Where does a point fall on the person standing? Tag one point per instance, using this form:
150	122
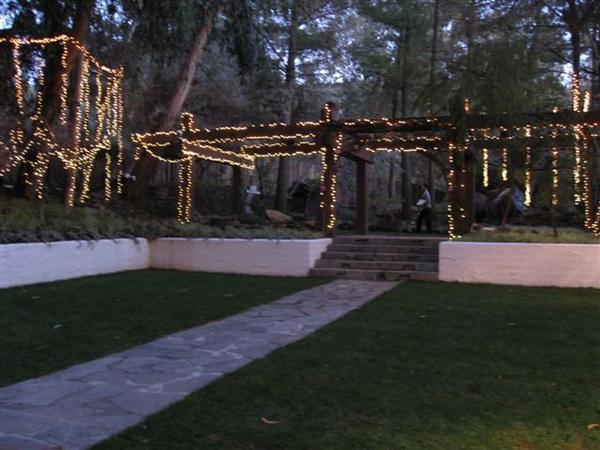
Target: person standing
424	203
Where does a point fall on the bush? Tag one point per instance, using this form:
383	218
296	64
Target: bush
27	221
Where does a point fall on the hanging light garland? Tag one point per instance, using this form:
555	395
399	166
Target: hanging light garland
77	156
504	164
528	169
280	139
486	164
451	191
555	172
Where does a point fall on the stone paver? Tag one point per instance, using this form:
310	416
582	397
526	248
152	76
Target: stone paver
85	404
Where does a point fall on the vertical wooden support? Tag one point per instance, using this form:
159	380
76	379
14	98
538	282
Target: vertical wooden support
452	188
237	190
71	186
186	190
468	191
331	142
328	189
362	197
185	193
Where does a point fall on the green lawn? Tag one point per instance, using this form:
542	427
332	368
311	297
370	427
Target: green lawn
426	366
47	327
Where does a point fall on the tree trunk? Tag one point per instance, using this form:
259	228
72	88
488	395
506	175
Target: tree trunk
595	104
433	55
283	171
145	167
404	112
80	32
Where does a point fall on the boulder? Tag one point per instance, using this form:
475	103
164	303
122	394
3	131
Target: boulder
277	216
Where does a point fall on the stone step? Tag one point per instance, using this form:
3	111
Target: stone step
403	249
364	256
378	265
357	274
389	240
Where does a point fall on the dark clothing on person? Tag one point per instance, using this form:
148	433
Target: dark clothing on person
425	215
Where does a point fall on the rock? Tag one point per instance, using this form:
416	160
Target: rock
277	216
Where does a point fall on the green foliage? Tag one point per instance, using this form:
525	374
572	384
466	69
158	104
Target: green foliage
24	221
534	234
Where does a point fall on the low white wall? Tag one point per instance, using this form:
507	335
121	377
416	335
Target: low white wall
248	256
38	262
22	264
563	265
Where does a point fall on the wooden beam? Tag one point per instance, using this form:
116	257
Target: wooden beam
362	197
281	149
216	154
254	132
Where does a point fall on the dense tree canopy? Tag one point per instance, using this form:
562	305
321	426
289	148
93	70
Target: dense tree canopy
247	61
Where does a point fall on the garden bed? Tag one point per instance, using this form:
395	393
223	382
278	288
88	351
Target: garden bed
524	234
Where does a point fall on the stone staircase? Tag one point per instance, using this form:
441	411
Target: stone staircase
380	258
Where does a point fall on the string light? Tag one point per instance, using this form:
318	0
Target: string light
77	156
451	191
587	101
504	164
575	92
555	182
528	170
578	137
304	138
486	164
64	84
18	76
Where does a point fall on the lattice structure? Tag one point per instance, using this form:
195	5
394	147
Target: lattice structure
90	113
360	139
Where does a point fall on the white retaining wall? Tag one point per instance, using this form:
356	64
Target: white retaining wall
38	262
22	264
254	257
563	265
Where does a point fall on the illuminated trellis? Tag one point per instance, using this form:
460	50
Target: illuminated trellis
95	117
360	139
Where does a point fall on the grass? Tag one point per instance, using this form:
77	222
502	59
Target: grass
425	366
534	234
47	327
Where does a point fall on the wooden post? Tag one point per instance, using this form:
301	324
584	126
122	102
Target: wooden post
185	193
185	199
468	191
328	189
362	197
237	190
331	145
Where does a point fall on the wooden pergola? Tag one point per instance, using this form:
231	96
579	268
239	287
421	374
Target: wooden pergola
452	141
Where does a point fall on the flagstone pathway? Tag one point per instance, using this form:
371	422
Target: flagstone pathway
87	403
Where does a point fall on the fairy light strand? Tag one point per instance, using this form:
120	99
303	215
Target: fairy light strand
78	155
